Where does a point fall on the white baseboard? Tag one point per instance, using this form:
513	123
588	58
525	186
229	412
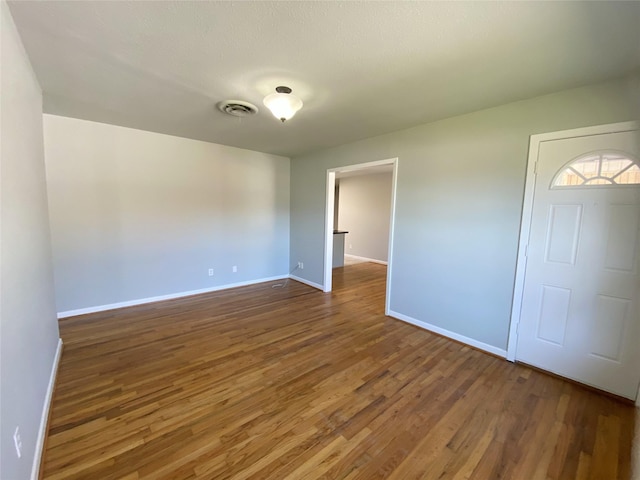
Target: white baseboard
635	455
171	296
306	282
454	336
365	259
42	431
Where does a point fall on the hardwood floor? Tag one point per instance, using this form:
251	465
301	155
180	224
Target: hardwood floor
290	383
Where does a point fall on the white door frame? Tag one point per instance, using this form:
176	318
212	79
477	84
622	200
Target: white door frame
527	209
330	203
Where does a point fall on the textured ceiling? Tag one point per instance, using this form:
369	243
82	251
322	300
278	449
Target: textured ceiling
361	68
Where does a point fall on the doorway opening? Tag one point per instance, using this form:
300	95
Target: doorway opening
331	217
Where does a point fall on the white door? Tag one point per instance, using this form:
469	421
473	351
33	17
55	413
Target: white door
579	316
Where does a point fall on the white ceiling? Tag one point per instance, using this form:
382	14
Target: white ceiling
361	68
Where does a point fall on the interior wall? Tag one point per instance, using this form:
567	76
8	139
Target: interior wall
460	189
28	325
136	214
364	211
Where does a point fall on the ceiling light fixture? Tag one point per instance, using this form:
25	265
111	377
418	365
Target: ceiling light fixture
282	104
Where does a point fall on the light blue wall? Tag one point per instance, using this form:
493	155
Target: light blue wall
28	326
136	214
459	199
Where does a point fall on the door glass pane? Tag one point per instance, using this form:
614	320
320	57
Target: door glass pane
603	168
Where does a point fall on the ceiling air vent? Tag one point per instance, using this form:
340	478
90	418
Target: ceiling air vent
237	108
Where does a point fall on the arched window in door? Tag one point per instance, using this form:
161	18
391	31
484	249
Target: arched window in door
598	168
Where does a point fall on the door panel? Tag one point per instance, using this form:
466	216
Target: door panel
554	313
579	316
610	322
563	233
622	238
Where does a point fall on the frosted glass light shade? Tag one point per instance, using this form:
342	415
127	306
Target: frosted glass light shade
283	105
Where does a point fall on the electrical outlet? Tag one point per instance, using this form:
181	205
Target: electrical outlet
17	441
211	272
350	246
234	269
301	265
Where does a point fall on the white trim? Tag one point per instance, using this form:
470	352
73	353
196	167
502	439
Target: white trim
392	229
588	131
328	229
329	205
521	262
449	334
160	298
527	208
365	259
306	282
42	431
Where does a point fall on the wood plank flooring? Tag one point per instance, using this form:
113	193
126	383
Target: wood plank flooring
290	383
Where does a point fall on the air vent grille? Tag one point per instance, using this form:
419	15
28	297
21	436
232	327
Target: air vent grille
237	108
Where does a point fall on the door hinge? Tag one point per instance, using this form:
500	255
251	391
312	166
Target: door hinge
535	168
526	250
